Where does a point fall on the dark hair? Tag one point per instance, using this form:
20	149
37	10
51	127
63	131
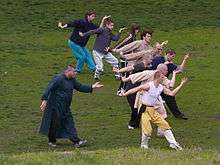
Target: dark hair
134	27
170	51
88	13
143	34
108	21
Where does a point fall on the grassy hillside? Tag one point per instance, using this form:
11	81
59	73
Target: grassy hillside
32	50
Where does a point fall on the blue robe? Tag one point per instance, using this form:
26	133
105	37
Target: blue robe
59	97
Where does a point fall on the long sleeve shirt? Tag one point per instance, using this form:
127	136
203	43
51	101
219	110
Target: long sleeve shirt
131	38
83	26
103	39
134	47
60	89
59	97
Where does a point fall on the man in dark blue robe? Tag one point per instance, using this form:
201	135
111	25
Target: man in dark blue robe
57	121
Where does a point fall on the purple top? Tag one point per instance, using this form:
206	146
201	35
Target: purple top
103	39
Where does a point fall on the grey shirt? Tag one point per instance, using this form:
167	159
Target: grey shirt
103	39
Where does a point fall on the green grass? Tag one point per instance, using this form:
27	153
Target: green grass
124	156
32	50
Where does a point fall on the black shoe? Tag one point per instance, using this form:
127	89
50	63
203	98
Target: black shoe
80	143
182	116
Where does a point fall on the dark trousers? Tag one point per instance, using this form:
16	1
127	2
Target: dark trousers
126	74
134	113
131	101
172	105
53	127
55	124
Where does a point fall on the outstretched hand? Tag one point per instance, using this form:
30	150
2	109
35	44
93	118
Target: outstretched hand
186	56
184	80
60	25
164	43
97	85
121	29
81	34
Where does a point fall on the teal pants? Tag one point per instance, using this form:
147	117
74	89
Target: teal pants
82	56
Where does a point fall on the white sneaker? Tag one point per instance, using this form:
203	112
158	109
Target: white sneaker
119	93
50	144
79	144
144	146
144	141
130	127
96	76
176	146
117	76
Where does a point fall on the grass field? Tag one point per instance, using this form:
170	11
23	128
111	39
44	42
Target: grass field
33	49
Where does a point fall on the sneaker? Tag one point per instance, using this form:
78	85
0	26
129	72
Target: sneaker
118	93
182	116
79	144
96	76
130	127
144	146
50	144
117	77
176	146
144	142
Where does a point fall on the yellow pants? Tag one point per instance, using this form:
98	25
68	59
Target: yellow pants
151	115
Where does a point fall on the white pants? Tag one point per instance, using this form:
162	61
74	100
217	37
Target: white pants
109	58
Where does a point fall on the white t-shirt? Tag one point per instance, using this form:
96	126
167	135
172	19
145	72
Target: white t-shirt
150	97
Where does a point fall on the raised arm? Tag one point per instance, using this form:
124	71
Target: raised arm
173	80
103	20
184	61
176	90
136	89
124	41
128	48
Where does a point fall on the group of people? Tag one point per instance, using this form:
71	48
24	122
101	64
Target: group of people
142	69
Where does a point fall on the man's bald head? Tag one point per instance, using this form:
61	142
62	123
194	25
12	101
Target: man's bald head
163	69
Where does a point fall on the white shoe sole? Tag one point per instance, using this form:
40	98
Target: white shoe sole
176	147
